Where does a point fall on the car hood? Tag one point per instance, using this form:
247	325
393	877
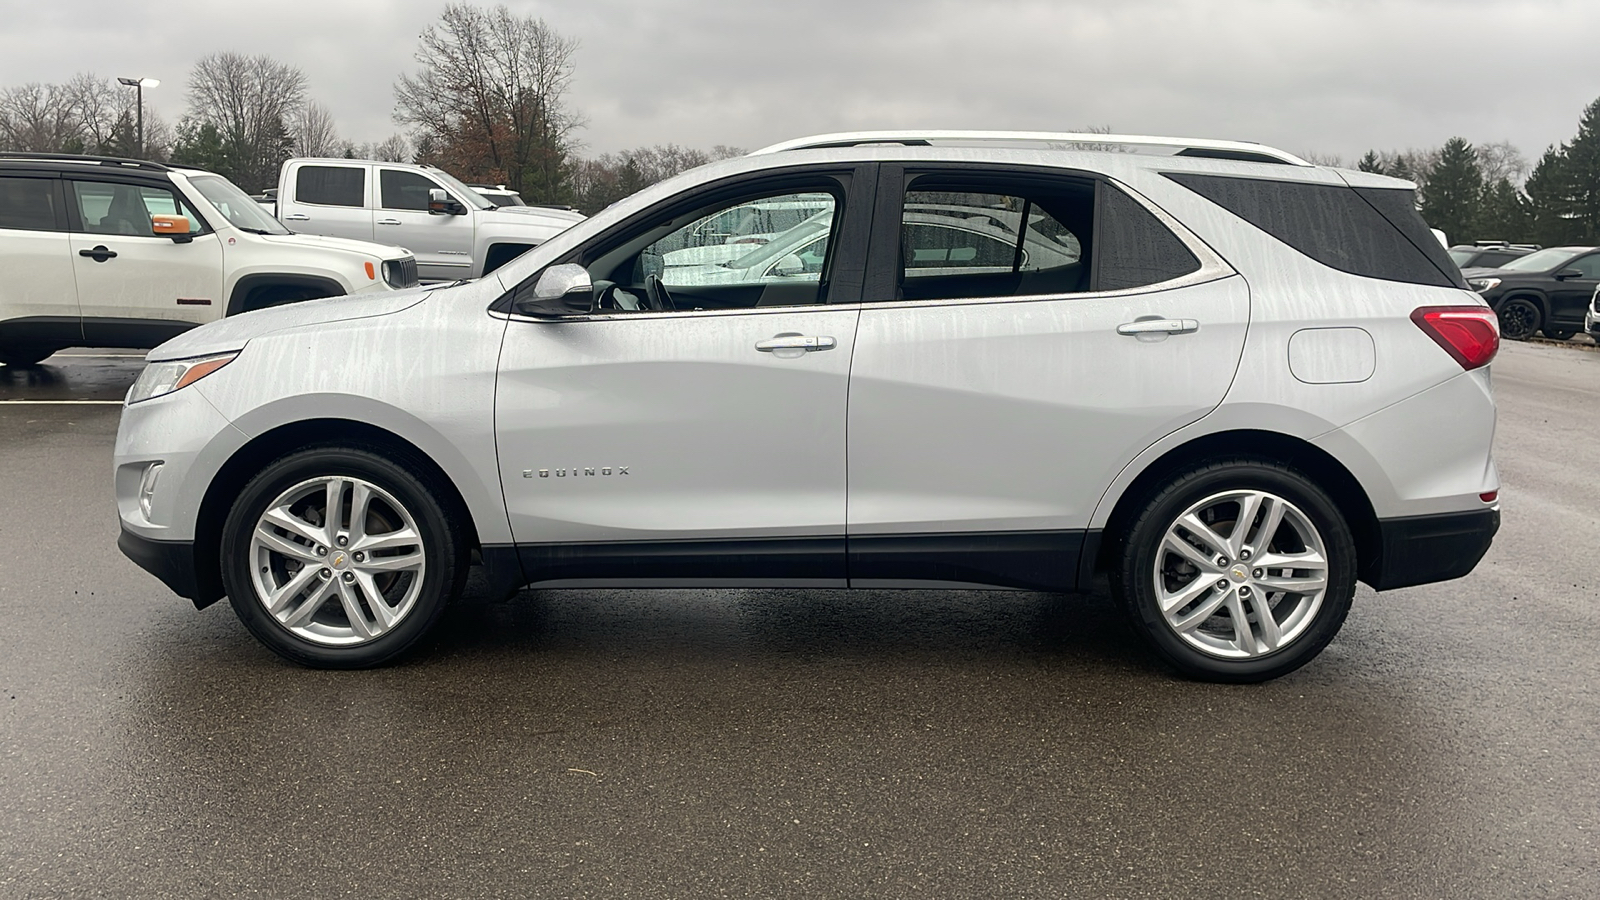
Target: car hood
365	248
533	215
232	333
1483	272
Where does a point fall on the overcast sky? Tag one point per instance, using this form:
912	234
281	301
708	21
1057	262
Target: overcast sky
1325	76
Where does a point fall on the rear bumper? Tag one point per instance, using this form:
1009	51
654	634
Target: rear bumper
173	562
1424	549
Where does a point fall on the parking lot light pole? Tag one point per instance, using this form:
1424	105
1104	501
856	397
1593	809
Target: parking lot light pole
139	84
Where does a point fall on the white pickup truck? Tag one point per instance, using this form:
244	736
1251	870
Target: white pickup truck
453	231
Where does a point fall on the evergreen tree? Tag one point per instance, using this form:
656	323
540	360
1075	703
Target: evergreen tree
200	145
1550	198
1583	177
1401	170
1505	214
1371	163
1455	190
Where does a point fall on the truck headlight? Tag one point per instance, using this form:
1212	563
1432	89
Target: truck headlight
161	378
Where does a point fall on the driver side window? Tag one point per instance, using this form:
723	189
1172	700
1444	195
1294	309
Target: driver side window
766	251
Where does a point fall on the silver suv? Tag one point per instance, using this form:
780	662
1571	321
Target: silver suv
1230	380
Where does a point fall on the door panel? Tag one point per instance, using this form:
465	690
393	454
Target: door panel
675	426
36	257
1569	298
328	199
442	243
1014	415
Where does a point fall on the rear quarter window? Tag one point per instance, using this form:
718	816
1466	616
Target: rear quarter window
1375	233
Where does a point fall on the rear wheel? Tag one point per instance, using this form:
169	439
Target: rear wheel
1560	334
1519	319
1238	571
337	557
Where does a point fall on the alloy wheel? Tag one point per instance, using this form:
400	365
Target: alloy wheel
337	560
1241	574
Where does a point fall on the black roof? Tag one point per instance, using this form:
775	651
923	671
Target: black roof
79	159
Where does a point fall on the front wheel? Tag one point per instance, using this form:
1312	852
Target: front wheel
1560	334
1519	319
337	557
1238	571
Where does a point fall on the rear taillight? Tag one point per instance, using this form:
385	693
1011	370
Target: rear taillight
1470	334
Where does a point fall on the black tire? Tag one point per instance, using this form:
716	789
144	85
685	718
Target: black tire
25	354
1560	334
268	297
1134	572
1520	319
442	549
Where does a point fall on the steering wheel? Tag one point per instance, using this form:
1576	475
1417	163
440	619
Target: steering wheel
656	293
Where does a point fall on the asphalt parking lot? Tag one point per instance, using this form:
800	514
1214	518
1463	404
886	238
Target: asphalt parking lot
807	744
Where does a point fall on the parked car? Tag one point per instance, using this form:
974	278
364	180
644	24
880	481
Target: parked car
105	252
498	194
1253	382
731	233
453	231
1591	318
1489	254
1547	290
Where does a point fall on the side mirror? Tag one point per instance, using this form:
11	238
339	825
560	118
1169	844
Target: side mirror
1565	274
788	266
563	290
441	204
175	227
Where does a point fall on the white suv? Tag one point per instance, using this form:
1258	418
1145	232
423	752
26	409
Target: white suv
1233	381
104	252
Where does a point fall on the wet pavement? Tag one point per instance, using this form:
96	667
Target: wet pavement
798	743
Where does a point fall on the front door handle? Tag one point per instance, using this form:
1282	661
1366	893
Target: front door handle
803	343
1159	326
99	254
297	217
388	221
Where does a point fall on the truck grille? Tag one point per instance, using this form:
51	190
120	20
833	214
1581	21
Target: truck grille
401	273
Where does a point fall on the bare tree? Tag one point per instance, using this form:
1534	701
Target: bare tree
315	133
394	148
489	101
1502	161
599	182
39	117
251	101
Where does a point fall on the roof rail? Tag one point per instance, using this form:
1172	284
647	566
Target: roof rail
1236	150
114	161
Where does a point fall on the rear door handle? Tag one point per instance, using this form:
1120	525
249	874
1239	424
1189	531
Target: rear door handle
101	254
388	221
1159	326
297	217
802	342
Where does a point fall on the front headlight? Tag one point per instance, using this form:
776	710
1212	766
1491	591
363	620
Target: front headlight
1483	284
160	378
400	274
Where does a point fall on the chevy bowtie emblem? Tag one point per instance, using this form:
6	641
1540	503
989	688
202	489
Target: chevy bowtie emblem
338	559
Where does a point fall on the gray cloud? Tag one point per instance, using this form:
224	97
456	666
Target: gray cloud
1332	76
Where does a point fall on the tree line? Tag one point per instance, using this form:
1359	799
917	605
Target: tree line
487	103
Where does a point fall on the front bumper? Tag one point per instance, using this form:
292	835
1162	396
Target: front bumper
1424	549
173	562
1591	324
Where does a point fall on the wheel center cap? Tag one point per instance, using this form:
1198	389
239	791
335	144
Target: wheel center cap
337	559
1239	574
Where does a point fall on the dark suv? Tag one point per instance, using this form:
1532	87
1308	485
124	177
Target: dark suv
1547	290
1488	254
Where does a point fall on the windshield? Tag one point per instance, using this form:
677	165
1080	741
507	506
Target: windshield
1542	260
461	190
243	212
1461	257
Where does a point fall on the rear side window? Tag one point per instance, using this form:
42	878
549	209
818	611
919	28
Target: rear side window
1368	232
985	237
116	208
28	204
331	185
